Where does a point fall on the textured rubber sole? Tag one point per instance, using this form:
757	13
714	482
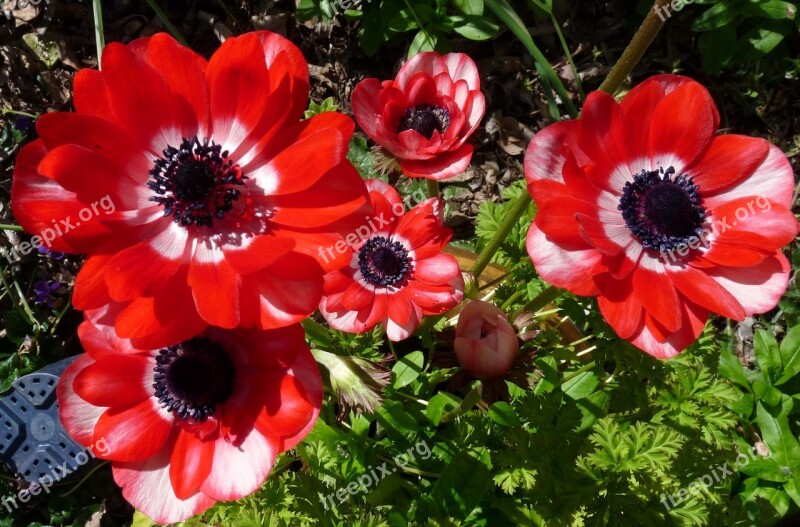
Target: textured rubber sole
32	441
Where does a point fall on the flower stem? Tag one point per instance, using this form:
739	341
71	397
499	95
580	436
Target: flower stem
518	207
644	36
10	227
433	189
582	369
167	24
99	38
541	300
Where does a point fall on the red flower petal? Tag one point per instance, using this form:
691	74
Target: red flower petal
133	433
114	380
147	486
190	464
571	267
443	166
78	416
687	121
251	461
729	159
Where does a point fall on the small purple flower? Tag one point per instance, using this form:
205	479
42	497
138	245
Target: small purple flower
24	124
42	291
55	255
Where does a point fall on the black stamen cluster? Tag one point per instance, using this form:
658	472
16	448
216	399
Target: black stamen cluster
383	262
425	118
191	378
194	181
661	211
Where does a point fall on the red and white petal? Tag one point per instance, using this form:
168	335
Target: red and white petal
704	291
98	336
251	462
115	380
368	111
147	486
757	288
443	166
77	415
236	72
403	317
134	432
546	153
436	270
688	120
571	267
772	180
729	160
146	107
184	72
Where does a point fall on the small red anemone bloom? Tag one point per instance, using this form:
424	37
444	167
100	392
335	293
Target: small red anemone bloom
398	272
190	424
425	116
486	345
644	207
194	187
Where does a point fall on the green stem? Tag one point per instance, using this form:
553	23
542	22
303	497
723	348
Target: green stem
542	299
518	207
635	51
565	47
11	227
18	112
99	38
433	189
167	24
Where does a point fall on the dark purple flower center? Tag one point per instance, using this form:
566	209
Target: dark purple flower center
662	211
383	262
191	378
425	118
195	182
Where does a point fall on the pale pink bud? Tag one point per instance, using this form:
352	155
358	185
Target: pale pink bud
486	344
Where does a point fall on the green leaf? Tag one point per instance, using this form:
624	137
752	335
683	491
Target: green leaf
463	483
17	328
370	33
140	520
424	41
783	446
438	404
503	414
765	469
717	16
475	27
790	355
469	7
408	369
580	386
731	367
768	354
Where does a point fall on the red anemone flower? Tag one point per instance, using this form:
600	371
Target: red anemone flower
193	423
194	187
398	272
642	206
425	116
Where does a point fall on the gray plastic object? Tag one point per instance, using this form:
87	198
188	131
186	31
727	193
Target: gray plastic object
32	441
